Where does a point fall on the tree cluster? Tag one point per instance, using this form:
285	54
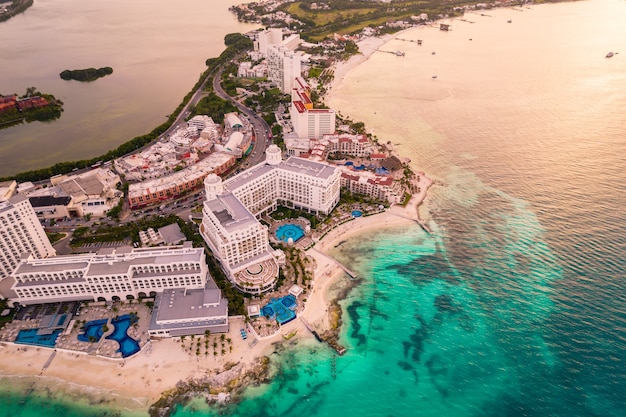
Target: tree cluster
87	74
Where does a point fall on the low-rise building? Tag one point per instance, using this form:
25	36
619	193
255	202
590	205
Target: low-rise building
377	187
182	312
91	193
167	187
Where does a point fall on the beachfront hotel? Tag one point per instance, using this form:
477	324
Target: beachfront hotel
20	233
107	275
182	311
307	121
230	226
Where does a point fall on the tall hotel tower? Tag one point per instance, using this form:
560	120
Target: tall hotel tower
20	233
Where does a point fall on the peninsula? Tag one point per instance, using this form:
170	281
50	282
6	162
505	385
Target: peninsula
87	74
32	106
12	8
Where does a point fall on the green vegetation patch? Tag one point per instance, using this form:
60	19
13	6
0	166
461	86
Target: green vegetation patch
324	17
214	106
87	74
32	106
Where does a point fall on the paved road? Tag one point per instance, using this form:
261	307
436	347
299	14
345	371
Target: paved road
260	126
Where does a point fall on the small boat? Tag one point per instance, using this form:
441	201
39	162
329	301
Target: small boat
610	54
508	21
434	76
434	52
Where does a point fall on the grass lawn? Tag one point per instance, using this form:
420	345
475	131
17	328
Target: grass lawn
324	17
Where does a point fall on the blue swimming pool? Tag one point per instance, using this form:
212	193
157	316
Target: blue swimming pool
289	231
92	331
289	302
128	345
35	338
357	213
281	309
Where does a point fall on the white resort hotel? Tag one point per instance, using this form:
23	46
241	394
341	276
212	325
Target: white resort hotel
230	224
187	301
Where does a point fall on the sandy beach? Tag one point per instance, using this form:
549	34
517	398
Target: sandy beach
367	47
138	381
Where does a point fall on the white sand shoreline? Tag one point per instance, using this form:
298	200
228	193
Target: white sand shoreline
137	382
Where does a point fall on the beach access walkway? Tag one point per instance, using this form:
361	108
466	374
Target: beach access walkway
350	273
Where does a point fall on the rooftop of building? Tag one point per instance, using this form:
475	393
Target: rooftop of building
49	200
195	304
230	212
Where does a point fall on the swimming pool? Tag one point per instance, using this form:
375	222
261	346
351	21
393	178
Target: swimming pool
281	309
128	345
357	213
33	337
289	231
92	331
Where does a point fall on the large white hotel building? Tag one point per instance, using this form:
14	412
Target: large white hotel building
120	273
20	233
230	226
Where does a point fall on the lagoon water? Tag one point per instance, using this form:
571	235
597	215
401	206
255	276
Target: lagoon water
157	50
515	305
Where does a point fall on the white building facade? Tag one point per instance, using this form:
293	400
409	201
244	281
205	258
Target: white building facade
230	226
20	233
283	66
122	273
308	122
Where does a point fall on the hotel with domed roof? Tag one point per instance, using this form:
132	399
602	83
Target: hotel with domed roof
230	223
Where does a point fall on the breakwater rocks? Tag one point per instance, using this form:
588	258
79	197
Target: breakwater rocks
223	387
331	335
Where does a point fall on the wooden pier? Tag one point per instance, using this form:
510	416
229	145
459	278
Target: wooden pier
311	329
396	53
418	41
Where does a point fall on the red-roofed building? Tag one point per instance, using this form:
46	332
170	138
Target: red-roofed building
354	145
309	123
8	103
31	102
377	187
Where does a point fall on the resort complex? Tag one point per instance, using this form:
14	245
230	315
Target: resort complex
191	302
230	224
136	283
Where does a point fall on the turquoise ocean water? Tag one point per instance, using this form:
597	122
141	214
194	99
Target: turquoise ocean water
515	305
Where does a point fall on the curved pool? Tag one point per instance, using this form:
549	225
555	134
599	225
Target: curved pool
128	345
289	231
